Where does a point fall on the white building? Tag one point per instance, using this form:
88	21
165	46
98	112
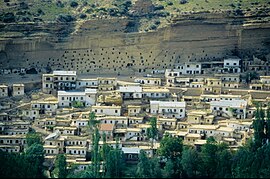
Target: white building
59	80
107	110
230	108
168	108
45	106
17	89
156	92
148	81
88	97
3	91
131	92
232	65
183	69
83	83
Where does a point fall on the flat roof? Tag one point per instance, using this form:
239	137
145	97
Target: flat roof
168	103
107	107
66	73
18	85
73	93
230	103
210	127
130	89
157	90
131	150
106	127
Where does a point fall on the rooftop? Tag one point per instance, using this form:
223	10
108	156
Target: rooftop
106	127
65	73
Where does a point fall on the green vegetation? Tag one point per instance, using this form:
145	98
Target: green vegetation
28	164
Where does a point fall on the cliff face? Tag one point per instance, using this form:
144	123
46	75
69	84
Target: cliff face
107	46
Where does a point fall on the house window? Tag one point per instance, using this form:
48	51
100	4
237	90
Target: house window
116	111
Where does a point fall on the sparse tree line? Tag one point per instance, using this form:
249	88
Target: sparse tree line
171	160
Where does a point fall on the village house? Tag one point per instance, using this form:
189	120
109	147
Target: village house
191	138
118	121
154	93
134	134
167	123
134	110
211	97
68	98
207	130
3	91
232	65
228	77
186	68
45	106
236	108
131	92
199	117
107	84
59	80
108	129
107	110
17	89
148	81
135	120
87	83
12	143
76	151
212	85
66	130
168	109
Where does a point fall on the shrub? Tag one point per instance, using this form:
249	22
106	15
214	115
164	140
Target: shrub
158	7
183	1
153	27
73	4
65	18
9	17
23	5
60	4
169	3
83	16
157	22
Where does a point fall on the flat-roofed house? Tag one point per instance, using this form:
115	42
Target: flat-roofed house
233	108
107	110
59	80
168	108
3	91
108	129
199	117
134	110
17	89
131	92
232	65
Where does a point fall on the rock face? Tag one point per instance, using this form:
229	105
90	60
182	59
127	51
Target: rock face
104	46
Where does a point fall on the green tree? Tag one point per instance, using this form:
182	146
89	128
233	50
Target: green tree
33	138
143	167
35	155
224	162
258	125
190	161
60	170
152	132
267	125
168	169
114	163
209	158
170	147
95	153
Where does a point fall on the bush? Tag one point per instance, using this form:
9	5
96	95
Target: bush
158	7
183	1
169	3
40	12
157	22
153	27
74	4
9	17
60	4
65	18
83	16
23	5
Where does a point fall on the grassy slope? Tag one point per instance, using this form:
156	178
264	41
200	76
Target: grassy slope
51	10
